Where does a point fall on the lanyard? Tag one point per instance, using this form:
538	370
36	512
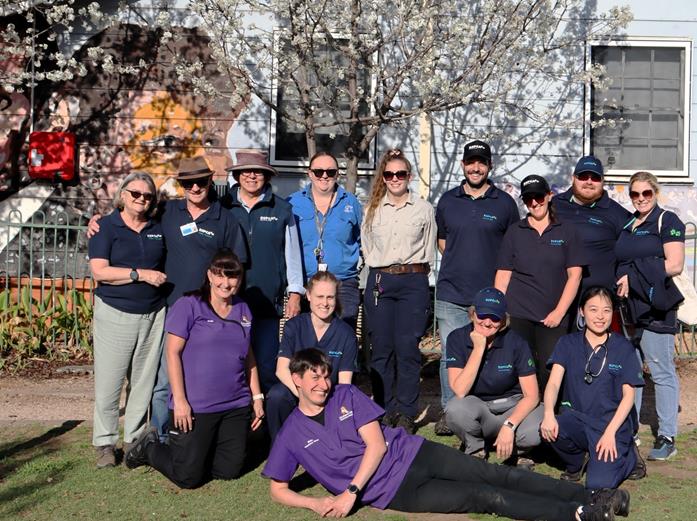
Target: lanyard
320	225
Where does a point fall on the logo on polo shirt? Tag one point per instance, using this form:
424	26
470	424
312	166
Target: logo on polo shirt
345	414
675	233
531	363
154	236
642	232
245	321
268	218
556	242
335	354
348	208
504	368
594	220
207	233
614	368
310	443
489	217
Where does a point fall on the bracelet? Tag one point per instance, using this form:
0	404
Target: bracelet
259	396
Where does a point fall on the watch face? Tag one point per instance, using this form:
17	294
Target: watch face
353	489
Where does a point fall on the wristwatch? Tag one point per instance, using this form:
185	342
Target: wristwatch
134	275
353	489
510	425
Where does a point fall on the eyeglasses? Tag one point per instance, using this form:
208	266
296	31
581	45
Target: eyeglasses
319	172
251	174
493	318
147	196
528	199
401	175
585	176
646	194
188	184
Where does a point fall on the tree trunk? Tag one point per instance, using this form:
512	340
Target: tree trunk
351	174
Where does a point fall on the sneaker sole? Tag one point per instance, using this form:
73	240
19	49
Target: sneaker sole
671	455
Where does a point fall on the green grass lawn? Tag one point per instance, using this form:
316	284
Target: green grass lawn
48	473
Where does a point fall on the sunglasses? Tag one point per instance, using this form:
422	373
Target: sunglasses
585	176
646	194
493	318
251	174
188	184
528	199
319	172
401	175
147	196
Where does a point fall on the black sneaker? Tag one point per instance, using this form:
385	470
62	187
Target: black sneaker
596	512
639	471
406	422
137	455
441	427
390	419
617	499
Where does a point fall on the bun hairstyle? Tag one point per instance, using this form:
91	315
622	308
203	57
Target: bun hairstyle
326	276
378	190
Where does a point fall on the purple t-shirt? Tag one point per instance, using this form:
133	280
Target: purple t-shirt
215	354
331	453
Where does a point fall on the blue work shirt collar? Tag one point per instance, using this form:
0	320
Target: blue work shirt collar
118	220
497	342
603	202
491	191
213	211
340	192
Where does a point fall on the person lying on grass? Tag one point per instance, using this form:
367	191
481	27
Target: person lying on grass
336	435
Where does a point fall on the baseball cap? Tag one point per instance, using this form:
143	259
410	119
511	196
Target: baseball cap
477	149
490	301
534	185
589	164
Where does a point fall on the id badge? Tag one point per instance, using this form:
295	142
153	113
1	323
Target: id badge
188	229
322	266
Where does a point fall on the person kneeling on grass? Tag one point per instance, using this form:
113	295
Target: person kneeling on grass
213	377
336	435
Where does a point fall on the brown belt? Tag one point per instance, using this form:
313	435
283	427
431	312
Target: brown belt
398	269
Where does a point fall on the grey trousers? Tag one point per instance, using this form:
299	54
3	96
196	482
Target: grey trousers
477	422
126	346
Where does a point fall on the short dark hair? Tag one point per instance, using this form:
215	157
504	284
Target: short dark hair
309	359
597	291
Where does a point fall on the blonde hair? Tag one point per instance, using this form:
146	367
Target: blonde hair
646	177
378	190
137	176
326	276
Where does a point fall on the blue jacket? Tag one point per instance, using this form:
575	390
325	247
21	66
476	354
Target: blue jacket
342	232
274	265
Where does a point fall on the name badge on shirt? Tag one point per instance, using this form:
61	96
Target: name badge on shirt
188	229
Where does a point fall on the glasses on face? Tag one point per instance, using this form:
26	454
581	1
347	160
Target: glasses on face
585	176
539	199
493	318
400	174
319	172
147	196
646	194
188	184
251	174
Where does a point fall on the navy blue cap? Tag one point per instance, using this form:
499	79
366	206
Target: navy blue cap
490	301
477	149
534	185
589	164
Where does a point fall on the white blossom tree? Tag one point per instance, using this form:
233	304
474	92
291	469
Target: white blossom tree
353	66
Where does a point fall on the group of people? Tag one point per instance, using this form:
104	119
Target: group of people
191	293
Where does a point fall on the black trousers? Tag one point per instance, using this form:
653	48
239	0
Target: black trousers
214	448
444	480
542	340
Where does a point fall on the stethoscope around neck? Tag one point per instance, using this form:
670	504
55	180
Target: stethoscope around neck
589	376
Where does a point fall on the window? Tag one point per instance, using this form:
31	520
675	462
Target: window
639	119
288	144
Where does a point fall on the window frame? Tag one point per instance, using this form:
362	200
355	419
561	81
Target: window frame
668	176
301	165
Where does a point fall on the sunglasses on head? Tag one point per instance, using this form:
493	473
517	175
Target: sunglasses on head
401	175
147	196
493	318
646	194
188	184
319	172
539	199
585	176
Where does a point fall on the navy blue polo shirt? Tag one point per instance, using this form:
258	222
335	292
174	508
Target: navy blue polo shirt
125	248
598	226
338	342
503	364
601	397
189	252
646	240
539	264
473	229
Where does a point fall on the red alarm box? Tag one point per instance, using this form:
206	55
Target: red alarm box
52	156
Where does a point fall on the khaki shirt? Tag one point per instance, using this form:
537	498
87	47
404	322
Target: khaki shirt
404	235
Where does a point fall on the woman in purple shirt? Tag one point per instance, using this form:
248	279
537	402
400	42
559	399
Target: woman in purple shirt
213	378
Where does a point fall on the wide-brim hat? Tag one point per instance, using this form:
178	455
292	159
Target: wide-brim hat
193	168
252	160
